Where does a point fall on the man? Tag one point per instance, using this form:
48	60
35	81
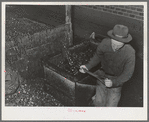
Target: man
117	60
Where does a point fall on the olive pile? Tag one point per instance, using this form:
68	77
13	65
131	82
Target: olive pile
31	93
21	27
74	60
77	59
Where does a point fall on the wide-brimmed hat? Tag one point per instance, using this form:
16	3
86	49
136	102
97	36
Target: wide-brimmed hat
120	33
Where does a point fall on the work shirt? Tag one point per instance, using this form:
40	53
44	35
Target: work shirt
119	64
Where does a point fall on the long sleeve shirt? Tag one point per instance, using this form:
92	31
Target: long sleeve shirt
119	64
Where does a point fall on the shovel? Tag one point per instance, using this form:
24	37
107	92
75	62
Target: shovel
93	75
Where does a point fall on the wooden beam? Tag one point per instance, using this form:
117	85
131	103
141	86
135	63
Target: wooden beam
68	21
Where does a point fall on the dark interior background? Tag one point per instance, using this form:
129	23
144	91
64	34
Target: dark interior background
99	19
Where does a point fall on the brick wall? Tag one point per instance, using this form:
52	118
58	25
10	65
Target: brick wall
87	20
131	11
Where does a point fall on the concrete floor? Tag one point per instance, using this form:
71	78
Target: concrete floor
31	93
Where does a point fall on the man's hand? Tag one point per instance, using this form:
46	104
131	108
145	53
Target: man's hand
108	82
82	67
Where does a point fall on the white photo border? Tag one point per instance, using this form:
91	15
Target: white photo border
62	113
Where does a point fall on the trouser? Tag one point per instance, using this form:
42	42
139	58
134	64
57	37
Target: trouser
106	96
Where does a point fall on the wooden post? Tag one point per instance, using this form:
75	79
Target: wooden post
68	21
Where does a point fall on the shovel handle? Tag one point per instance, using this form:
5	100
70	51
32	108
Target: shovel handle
95	76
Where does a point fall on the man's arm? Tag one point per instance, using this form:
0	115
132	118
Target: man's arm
126	74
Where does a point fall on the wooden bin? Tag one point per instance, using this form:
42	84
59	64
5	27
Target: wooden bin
69	89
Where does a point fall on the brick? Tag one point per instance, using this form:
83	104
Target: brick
135	13
123	10
129	11
109	10
107	6
139	6
115	12
126	14
131	15
120	13
127	7
141	14
118	9
112	7
133	8
121	6
98	6
140	9
105	9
